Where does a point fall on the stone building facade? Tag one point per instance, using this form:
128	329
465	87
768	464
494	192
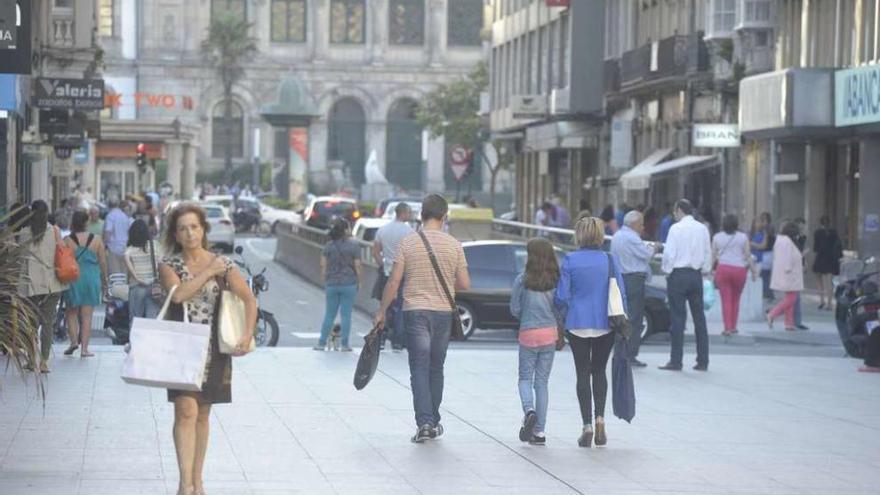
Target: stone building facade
364	64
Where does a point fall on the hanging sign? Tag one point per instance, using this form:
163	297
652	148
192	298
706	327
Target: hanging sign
9	14
15	54
716	136
75	94
459	161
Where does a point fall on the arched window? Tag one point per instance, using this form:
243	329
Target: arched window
347	21
229	130
403	149
464	23
406	22
346	140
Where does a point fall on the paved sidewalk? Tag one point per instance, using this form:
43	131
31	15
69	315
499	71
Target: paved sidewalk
752	425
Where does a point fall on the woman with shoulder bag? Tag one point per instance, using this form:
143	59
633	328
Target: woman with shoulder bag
38	281
199	276
88	290
583	296
733	258
140	260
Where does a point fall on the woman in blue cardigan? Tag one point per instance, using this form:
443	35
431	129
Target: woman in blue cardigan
582	295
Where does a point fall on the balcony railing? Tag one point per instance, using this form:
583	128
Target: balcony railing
63	33
673	56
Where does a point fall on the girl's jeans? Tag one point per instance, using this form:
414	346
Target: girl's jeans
140	304
535	364
340	299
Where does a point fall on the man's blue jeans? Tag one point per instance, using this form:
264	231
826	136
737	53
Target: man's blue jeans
535	364
427	338
394	321
340	299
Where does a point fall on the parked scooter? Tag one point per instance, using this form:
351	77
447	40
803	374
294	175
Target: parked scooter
858	303
117	323
267	331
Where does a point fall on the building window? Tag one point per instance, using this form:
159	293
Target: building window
406	21
346	138
347	21
223	130
234	8
63	4
105	17
464	23
722	18
289	21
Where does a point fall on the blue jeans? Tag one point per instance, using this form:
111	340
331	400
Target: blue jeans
394	322
140	304
427	338
766	275
535	364
340	299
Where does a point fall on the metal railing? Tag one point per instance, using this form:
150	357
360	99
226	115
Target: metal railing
320	237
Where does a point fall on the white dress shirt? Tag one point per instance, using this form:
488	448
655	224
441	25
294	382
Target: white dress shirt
688	246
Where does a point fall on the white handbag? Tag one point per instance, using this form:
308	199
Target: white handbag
167	354
233	323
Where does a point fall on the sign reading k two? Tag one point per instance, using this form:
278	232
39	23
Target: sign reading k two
75	94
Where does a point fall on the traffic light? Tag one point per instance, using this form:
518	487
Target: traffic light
141	156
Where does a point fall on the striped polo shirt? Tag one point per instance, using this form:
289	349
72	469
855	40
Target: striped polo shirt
421	289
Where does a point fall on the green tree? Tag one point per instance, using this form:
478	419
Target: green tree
228	45
452	111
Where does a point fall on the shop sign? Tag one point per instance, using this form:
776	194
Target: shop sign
8	24
857	96
872	223
716	136
64	130
15	49
154	100
74	94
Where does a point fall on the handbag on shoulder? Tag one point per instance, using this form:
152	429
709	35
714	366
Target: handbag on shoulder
457	332
157	292
66	266
232	323
617	320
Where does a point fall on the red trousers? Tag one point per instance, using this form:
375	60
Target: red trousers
730	281
786	306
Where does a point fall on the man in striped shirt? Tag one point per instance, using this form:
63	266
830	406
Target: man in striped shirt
427	312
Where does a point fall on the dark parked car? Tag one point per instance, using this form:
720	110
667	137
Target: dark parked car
494	265
322	210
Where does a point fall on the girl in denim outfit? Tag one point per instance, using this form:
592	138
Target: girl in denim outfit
531	302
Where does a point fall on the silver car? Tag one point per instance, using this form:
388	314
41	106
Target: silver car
222	234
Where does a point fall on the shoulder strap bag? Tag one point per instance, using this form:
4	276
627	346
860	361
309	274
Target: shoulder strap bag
157	292
232	319
66	263
457	332
617	320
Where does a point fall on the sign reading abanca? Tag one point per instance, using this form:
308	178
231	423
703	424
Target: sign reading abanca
857	96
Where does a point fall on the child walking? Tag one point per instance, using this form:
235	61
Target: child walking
531	302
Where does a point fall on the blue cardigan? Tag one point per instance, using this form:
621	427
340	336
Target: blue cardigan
582	293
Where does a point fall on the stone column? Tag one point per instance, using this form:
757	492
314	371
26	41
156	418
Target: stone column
869	203
436	34
436	166
320	30
377	37
175	165
188	179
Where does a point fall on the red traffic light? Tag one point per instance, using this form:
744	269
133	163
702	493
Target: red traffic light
141	148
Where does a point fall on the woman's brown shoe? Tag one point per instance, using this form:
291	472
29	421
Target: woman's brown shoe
70	350
586	439
601	439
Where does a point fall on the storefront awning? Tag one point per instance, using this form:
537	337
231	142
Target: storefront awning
639	177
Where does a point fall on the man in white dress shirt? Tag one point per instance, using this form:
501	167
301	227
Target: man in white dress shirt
687	255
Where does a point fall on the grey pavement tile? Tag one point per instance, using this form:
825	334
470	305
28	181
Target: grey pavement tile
41	463
36	440
115	487
122	464
322	487
39	486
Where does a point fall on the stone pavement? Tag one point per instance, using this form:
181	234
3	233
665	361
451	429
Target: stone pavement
751	425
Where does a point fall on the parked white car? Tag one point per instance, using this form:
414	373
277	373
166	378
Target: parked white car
365	229
416	207
222	234
271	217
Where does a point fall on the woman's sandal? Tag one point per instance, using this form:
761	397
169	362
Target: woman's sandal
70	350
86	354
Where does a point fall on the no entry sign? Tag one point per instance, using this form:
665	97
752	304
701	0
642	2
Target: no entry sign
459	161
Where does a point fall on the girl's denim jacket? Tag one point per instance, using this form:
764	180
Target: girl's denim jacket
533	309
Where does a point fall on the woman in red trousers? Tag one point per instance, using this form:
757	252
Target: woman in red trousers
733	257
787	276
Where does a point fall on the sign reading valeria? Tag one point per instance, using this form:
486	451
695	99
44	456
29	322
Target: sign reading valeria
75	94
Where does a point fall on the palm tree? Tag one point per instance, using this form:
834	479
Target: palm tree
19	337
226	48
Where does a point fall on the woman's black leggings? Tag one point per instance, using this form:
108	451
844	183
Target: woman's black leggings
590	360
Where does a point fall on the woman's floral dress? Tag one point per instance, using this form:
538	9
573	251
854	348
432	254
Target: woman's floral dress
202	308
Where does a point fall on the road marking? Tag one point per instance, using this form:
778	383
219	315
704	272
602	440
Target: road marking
259	252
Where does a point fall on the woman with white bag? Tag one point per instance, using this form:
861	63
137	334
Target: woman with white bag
198	275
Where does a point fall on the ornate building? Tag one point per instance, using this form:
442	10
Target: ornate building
364	65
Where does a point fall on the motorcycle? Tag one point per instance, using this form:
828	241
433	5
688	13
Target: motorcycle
267	331
246	219
117	323
858	302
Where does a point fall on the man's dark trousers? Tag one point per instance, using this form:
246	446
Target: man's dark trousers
685	286
427	338
634	284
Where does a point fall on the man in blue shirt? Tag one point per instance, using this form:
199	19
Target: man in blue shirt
665	224
635	258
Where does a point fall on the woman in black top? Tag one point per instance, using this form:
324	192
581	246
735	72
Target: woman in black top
829	250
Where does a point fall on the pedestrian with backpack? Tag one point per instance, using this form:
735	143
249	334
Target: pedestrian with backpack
87	291
38	281
531	302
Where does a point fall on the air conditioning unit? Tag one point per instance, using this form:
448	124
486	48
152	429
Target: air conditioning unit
528	107
560	101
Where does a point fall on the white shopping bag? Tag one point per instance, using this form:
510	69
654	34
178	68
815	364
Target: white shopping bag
167	354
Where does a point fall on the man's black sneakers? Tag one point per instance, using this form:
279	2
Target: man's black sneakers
437	431
525	433
538	440
425	432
